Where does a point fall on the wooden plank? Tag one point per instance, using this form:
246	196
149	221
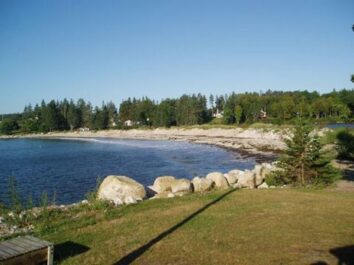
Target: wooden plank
3	250
32	258
37	241
20	243
11	251
4	254
13	246
50	255
21	247
24	245
27	243
44	242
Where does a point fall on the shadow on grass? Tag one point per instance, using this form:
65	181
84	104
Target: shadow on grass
141	250
345	256
68	249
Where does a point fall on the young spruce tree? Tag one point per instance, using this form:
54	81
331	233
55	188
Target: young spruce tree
305	162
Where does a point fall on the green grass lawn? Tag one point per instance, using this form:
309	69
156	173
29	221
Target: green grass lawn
282	226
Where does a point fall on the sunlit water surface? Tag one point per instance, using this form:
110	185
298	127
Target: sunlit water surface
69	168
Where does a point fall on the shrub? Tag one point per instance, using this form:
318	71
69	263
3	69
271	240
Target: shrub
345	145
275	179
15	202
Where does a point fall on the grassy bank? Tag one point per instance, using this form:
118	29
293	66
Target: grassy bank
282	226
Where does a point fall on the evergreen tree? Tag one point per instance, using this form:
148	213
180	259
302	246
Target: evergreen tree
100	118
85	113
219	103
51	116
165	113
238	114
8	126
304	161
229	109
73	116
345	144
125	110
112	113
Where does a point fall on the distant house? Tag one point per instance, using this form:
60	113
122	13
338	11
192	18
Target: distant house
84	129
263	114
128	123
113	123
218	114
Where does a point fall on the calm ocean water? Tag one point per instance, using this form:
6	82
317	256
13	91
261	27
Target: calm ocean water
340	125
70	167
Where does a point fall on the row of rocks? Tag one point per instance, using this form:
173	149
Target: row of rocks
124	190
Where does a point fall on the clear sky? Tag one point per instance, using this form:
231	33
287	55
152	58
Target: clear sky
110	50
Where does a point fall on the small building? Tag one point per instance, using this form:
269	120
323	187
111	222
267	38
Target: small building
128	123
218	114
113	123
263	114
84	129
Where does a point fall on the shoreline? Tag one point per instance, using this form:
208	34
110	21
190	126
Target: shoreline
256	143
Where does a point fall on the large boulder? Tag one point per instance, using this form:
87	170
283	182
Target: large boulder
236	172
162	195
181	185
268	168
259	174
246	180
202	184
263	186
219	180
261	171
163	183
121	190
231	178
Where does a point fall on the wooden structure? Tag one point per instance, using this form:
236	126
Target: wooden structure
26	250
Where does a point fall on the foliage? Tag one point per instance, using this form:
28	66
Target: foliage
345	144
276	107
192	110
282	107
238	114
8	126
275	179
305	162
92	194
15	201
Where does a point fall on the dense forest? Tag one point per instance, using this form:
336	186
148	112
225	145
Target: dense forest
270	107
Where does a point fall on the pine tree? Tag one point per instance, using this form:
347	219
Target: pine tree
73	116
305	162
238	114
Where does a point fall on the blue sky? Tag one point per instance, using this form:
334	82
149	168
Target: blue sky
110	50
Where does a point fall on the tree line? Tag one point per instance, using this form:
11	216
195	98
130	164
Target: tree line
235	108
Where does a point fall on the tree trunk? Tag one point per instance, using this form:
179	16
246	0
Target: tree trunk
302	169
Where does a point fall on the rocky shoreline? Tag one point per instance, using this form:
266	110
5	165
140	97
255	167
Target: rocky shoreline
124	190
